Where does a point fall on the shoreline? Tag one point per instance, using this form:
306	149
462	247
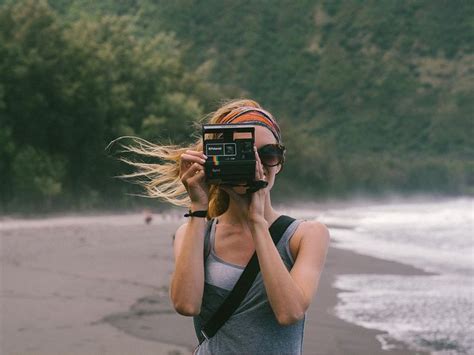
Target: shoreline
325	203
349	337
102	287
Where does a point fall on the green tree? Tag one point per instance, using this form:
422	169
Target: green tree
37	177
68	88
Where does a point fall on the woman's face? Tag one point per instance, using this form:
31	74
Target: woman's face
263	136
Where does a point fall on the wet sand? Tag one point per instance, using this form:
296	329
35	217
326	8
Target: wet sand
99	285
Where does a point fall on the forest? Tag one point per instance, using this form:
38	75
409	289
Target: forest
373	97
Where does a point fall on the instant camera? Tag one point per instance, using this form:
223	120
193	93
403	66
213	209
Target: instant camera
230	154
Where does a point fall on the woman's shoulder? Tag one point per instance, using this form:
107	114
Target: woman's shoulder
312	227
309	234
182	228
309	227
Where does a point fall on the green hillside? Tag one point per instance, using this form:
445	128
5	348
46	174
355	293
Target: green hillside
380	93
373	96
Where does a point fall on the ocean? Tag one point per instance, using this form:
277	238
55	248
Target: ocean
434	313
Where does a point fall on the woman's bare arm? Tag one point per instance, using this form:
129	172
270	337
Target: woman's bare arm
290	293
187	280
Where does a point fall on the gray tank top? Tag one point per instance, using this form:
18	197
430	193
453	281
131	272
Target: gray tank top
252	328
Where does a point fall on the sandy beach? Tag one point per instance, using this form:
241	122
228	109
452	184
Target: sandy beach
99	285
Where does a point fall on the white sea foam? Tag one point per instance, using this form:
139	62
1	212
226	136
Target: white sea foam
434	313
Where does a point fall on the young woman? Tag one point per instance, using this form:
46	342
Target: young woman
211	253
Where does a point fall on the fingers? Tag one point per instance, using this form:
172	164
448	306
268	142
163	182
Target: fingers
259	174
193	173
195	153
191	157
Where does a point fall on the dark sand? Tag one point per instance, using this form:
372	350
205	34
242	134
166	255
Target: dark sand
100	286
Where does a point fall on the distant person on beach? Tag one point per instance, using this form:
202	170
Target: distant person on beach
225	227
148	215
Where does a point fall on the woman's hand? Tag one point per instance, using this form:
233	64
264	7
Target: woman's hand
257	200
191	173
253	203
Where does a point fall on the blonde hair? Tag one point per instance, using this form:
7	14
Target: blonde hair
161	179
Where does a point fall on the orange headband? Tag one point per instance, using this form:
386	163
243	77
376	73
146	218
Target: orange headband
256	116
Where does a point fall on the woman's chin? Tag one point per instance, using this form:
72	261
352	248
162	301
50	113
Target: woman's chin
241	190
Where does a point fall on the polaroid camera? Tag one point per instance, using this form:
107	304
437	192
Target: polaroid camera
230	155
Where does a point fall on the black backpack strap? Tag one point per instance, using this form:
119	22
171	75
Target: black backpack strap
244	283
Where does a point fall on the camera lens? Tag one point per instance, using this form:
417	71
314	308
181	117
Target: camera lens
247	147
230	149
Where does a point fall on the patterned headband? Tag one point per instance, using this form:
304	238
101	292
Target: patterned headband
254	115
